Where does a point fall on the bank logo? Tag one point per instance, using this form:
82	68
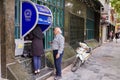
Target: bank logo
49	20
28	14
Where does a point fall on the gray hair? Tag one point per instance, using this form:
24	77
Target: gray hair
58	29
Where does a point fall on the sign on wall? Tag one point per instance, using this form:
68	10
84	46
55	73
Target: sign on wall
33	14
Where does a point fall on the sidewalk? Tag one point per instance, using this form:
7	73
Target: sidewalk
91	43
102	65
64	71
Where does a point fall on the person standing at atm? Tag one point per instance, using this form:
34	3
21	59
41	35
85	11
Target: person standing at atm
37	48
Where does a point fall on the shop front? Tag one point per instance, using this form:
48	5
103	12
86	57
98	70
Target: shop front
47	14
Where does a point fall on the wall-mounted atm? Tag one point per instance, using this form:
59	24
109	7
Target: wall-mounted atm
32	14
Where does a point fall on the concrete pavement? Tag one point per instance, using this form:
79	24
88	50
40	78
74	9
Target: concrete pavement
102	65
0	66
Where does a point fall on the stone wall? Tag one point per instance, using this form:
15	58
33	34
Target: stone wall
2	39
6	34
0	47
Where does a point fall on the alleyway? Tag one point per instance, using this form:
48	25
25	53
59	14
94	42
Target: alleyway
104	64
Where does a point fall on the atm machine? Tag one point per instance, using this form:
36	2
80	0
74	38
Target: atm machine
32	14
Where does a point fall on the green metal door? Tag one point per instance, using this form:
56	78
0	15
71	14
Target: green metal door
76	29
90	29
90	24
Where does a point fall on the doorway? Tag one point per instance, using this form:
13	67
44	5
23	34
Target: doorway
76	29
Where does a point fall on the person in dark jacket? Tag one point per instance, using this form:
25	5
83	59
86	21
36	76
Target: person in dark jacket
37	47
111	35
116	36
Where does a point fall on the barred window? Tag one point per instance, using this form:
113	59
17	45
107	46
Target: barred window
57	8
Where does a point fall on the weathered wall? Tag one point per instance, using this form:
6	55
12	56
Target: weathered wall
0	37
7	34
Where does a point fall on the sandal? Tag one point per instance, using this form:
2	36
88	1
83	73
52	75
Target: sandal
38	70
35	72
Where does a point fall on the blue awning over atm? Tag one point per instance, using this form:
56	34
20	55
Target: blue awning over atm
33	14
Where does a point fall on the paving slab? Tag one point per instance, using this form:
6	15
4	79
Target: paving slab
102	65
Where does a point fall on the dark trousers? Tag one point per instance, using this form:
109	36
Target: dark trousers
57	62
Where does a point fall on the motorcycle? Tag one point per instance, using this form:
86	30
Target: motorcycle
83	53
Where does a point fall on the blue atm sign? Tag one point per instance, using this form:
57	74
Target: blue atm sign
33	14
29	16
43	10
